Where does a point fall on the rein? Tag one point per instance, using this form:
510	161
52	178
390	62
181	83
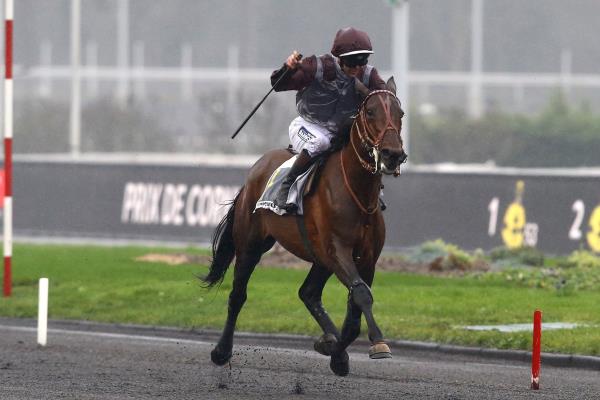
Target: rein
389	123
369	210
372	143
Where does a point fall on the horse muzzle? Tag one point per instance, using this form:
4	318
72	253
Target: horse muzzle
391	160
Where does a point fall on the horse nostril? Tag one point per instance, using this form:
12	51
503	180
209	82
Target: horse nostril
393	156
403	157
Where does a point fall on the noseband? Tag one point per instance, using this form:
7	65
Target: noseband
372	140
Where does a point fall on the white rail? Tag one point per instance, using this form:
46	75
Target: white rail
177	74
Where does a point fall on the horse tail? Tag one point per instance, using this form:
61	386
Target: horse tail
223	247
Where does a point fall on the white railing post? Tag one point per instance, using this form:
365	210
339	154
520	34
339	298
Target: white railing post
138	64
186	72
75	110
123	51
45	88
475	87
400	61
566	68
233	67
91	66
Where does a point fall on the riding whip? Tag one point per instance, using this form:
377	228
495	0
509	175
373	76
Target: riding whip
285	73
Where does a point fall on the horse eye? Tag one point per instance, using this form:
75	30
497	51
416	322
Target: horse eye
370	113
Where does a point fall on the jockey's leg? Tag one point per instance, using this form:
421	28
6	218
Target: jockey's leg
300	166
309	140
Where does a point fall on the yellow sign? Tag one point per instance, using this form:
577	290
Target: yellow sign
514	220
593	236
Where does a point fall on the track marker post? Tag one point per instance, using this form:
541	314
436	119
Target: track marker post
536	360
42	332
8	134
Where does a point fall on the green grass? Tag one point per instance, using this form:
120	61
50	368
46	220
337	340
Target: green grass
106	284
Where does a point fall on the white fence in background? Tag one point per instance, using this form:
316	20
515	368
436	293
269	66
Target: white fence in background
135	77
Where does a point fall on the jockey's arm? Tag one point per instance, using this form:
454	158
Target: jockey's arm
300	76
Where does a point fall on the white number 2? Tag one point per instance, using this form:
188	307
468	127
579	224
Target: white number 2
579	209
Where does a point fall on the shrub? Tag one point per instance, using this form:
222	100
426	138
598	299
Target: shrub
559	136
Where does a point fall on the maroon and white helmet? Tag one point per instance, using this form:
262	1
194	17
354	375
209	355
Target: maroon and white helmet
350	41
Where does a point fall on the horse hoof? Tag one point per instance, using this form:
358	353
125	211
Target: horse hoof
220	357
326	344
340	364
380	350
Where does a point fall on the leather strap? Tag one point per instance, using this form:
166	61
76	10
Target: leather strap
304	236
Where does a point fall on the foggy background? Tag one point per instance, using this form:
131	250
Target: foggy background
180	76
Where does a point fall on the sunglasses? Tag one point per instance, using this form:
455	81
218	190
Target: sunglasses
355	61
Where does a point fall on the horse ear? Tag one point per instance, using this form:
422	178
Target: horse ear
361	88
391	85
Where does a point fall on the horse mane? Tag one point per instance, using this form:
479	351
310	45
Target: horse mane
342	138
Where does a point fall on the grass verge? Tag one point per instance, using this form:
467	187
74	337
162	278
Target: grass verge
108	285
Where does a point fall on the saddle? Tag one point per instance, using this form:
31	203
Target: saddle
304	185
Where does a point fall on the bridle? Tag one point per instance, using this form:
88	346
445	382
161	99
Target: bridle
372	143
372	140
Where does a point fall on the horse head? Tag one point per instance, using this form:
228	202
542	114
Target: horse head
378	126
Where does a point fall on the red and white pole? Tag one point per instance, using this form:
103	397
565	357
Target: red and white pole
8	134
536	360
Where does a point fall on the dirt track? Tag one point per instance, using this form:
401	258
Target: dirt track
112	362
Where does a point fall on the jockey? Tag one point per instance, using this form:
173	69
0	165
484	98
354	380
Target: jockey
326	98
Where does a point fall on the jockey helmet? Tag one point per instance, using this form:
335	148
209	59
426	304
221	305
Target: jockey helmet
350	41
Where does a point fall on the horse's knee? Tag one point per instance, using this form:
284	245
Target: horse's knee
360	294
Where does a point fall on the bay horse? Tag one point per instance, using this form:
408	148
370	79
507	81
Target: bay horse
343	226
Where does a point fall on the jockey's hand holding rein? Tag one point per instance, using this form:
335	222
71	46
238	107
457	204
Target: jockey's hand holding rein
293	60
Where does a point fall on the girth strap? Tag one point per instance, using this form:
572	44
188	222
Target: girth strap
304	235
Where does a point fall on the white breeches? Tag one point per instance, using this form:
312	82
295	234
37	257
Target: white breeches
311	137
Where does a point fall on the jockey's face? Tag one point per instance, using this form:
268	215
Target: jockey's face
351	71
352	65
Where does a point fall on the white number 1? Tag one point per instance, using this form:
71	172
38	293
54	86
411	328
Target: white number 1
493	208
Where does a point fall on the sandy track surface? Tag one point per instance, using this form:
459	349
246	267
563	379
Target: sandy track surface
89	361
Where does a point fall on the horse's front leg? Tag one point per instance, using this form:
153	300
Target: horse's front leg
310	293
360	294
360	299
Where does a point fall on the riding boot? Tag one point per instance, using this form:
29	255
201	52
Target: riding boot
300	166
382	204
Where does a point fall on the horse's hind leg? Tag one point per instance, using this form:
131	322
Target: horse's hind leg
244	266
310	293
329	344
351	327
